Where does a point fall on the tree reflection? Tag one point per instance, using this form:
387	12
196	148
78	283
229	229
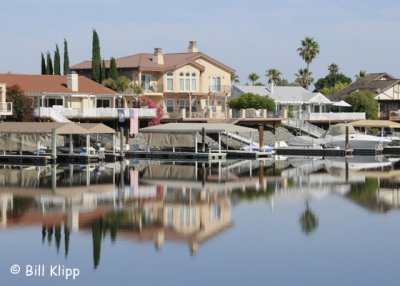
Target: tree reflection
308	221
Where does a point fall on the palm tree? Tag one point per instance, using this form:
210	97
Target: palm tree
333	69
234	78
361	74
308	50
308	221
304	78
274	76
253	77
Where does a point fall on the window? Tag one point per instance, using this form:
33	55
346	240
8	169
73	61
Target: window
170	81
181	82
170	216
215	84
188	215
170	105
102	102
184	103
193	87
187	82
54	101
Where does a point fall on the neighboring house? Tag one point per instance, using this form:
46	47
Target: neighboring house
385	87
70	97
191	81
5	107
312	106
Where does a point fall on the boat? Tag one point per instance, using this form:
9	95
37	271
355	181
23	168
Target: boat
335	138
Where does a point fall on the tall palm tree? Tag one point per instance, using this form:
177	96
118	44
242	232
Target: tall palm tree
333	69
304	78
308	50
234	78
361	74
253	77
274	76
308	221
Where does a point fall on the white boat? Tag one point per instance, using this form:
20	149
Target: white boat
335	137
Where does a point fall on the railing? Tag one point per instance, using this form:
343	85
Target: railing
338	116
6	108
304	126
226	89
49	112
151	87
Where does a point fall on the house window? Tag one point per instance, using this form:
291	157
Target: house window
187	82
193	86
184	103
170	81
215	84
170	105
146	82
102	102
54	101
181	82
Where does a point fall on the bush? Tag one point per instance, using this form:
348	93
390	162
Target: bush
121	83
363	102
144	101
22	105
251	100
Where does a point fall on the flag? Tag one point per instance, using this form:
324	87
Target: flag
121	115
134	121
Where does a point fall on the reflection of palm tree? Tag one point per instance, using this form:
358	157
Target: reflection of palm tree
96	237
49	234
308	221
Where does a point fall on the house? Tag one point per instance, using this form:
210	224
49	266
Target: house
5	107
190	82
70	97
386	89
310	106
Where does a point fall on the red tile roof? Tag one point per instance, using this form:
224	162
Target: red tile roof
30	83
144	62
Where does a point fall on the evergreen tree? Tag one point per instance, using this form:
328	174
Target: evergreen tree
57	61
96	58
43	71
49	64
113	69
103	74
66	58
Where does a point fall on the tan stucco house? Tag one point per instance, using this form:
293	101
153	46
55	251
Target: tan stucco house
190	83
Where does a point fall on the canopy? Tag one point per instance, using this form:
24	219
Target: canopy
197	127
376	123
341	103
339	129
97	128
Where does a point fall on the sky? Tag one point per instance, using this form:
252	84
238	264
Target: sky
249	35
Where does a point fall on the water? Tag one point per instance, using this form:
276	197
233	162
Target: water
289	221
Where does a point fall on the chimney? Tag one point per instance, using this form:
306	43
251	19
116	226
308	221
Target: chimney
158	56
193	47
72	82
2	92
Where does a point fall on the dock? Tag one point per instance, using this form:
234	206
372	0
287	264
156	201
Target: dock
169	155
239	154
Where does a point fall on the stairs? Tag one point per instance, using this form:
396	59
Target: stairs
57	117
304	126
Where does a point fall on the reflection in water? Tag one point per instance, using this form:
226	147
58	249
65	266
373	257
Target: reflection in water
187	203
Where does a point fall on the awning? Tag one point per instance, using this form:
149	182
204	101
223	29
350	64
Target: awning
197	127
375	123
60	128
97	128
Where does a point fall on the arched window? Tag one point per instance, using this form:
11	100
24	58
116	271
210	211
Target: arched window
181	82
170	81
187	82
193	86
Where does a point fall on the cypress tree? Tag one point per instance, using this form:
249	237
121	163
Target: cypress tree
113	69
57	61
96	58
43	71
103	72
66	58
49	64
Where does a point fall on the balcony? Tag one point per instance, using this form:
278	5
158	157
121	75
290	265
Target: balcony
152	88
220	89
56	113
6	108
333	116
393	115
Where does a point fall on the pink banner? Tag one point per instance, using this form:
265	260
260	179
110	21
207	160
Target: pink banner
134	121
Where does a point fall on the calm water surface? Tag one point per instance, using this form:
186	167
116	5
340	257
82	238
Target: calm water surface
293	221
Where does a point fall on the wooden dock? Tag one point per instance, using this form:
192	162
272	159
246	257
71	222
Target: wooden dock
239	154
8	159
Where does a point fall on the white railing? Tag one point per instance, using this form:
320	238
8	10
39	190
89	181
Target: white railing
304	126
338	116
49	112
6	108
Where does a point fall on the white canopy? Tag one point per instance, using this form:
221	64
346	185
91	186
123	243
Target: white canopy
341	103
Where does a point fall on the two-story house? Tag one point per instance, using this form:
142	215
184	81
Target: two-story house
63	98
189	84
